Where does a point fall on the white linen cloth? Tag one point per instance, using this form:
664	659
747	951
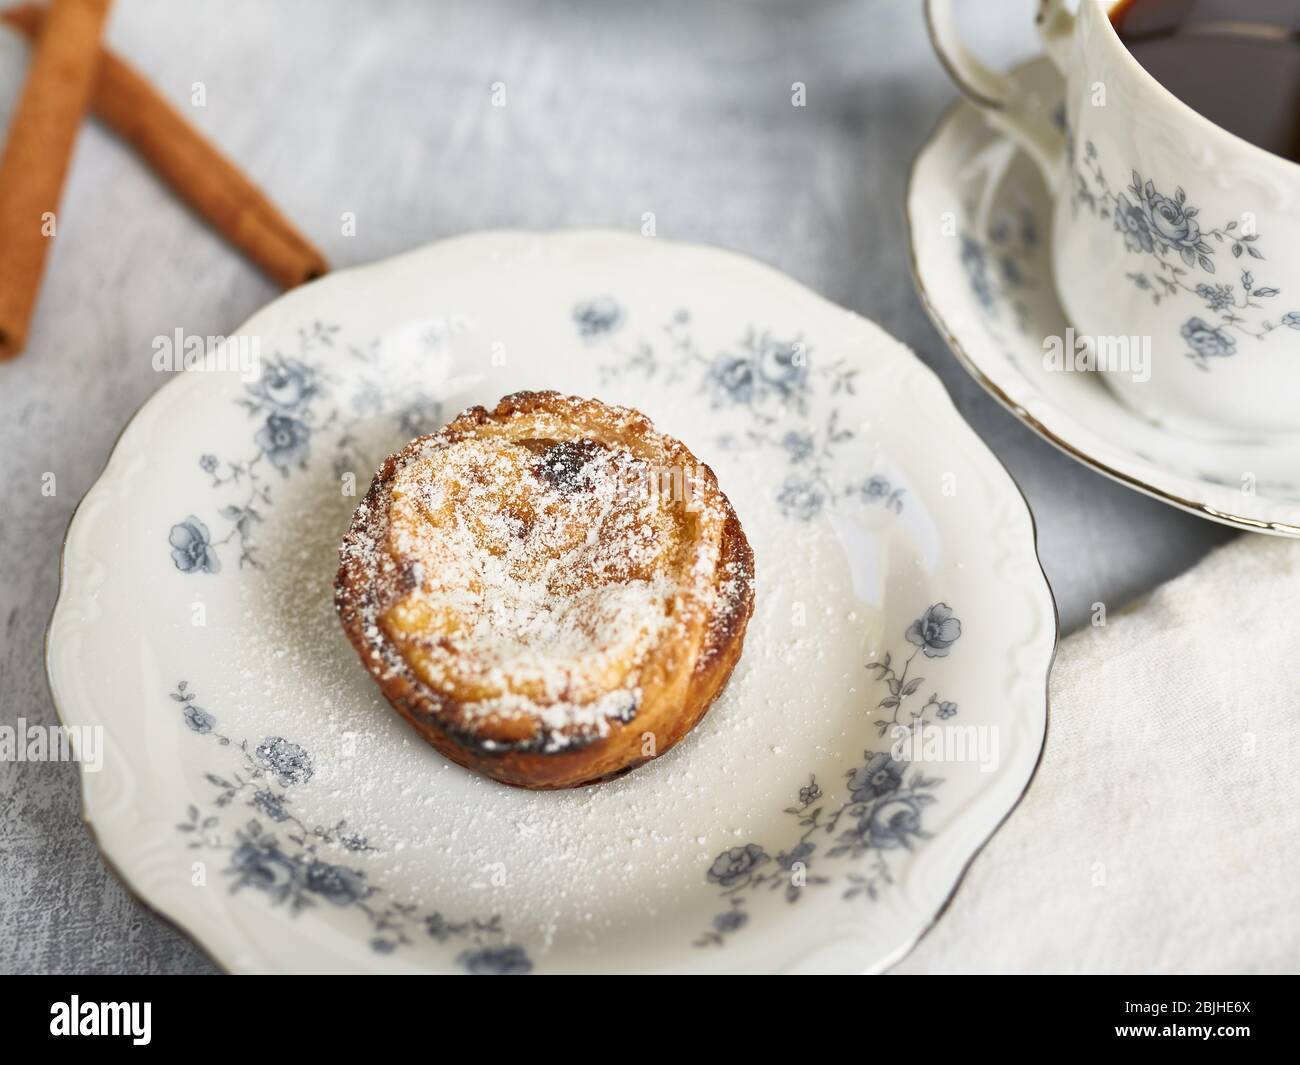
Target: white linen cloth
1162	831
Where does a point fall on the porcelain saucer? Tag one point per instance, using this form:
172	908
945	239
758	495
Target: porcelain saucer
257	789
979	219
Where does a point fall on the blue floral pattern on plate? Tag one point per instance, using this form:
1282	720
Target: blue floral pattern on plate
767	382
291	404
270	850
881	811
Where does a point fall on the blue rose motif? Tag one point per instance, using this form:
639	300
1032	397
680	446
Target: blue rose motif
1291	319
198	719
733	866
731	921
946	710
271	804
1131	221
733	379
1173	224
284	760
1207	341
782	365
191	545
260	864
935	631
335	883
875	488
286	384
597	317
882	775
496	961
285	441
891	824
801	499
208	463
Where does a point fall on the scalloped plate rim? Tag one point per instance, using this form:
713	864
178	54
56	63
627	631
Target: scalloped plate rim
193	922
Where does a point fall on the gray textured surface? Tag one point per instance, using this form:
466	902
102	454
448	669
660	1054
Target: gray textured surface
383	109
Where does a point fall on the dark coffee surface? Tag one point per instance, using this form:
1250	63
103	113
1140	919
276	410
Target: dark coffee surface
1237	62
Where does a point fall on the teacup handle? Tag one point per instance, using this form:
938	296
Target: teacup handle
996	95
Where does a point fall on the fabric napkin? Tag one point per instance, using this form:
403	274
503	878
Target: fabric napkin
1162	831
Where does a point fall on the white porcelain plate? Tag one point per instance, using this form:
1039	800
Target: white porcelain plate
980	225
258	790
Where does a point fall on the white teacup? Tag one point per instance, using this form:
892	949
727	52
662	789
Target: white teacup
1170	235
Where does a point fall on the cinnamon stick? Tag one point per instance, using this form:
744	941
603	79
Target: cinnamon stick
196	170
42	133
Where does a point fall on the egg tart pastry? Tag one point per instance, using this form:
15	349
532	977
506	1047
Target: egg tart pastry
550	592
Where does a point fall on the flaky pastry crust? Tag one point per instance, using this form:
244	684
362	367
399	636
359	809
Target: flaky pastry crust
551	592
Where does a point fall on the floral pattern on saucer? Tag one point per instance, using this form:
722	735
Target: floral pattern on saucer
996	321
999	269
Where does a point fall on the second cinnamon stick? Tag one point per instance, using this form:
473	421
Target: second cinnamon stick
196	170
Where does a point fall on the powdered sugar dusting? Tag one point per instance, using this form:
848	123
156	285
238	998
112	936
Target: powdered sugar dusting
537	569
